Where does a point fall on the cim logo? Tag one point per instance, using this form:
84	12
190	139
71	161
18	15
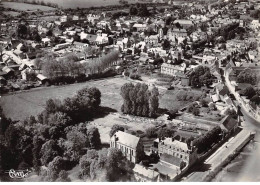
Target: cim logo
18	174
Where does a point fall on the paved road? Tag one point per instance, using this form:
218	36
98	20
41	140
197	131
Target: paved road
222	153
244	109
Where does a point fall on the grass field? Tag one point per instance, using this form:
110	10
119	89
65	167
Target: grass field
25	6
169	99
21	105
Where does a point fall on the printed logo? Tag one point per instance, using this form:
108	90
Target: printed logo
18	174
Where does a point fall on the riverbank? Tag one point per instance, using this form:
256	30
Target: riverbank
232	171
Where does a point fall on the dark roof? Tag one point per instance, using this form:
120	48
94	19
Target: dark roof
15	43
228	123
170	159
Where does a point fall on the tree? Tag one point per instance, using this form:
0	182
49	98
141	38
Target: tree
114	162
195	111
1	53
49	151
37	144
63	176
77	143
49	33
133	10
139	101
201	76
151	132
249	92
153	102
247	76
55	167
115	128
164	132
173	113
203	103
84	164
231	112
166	44
52	106
255	99
22	31
94	137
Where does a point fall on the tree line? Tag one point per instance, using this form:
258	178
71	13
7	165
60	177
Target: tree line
139	100
69	65
205	142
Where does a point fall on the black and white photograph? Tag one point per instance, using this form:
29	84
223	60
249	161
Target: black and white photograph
129	91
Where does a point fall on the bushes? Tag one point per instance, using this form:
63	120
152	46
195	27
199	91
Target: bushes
193	108
135	76
63	80
151	132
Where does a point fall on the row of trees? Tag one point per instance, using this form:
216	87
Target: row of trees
139	10
139	100
98	65
68	66
205	142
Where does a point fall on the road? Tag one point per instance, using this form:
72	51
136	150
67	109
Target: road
244	109
216	158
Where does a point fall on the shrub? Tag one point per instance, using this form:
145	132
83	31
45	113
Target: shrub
135	76
204	103
151	132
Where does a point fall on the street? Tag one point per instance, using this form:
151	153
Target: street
222	153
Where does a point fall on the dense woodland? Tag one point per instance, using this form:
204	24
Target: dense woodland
59	139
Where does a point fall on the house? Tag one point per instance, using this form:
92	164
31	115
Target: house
184	23
143	60
43	79
79	45
174	152
143	174
140	27
170	69
222	90
228	124
152	39
173	33
46	41
255	24
8	72
3	81
130	145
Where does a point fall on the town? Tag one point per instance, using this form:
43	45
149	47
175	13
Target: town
142	91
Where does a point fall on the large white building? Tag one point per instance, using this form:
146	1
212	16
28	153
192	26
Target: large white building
130	145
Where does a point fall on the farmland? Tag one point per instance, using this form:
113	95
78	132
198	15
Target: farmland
25	7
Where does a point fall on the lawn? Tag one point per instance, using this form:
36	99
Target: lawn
25	7
170	101
21	105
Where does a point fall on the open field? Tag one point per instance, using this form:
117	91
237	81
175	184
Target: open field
169	99
12	13
21	105
25	7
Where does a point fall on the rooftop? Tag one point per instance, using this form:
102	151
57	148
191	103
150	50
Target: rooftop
127	139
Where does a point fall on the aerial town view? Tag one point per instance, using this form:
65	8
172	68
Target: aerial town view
129	90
